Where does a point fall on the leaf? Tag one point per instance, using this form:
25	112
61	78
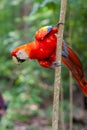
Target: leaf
35	8
46	2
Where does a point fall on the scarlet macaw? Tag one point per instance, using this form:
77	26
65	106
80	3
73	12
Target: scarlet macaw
43	49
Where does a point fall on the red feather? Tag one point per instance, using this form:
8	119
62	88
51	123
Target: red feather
44	50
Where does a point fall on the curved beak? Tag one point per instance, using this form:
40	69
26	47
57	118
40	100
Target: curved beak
17	60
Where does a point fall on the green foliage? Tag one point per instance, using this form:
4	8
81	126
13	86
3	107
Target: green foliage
29	83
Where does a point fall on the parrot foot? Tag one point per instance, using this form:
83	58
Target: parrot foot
59	24
55	64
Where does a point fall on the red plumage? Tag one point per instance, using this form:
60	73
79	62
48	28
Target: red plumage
44	50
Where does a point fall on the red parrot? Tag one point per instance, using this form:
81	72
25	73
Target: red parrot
43	49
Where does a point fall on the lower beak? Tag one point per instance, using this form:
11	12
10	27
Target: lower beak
15	59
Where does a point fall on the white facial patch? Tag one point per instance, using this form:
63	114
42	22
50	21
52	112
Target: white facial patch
22	55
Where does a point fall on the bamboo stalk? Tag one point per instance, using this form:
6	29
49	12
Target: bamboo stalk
57	80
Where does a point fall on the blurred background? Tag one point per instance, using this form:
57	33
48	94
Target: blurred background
29	87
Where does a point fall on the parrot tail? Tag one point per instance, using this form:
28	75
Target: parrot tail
78	75
83	85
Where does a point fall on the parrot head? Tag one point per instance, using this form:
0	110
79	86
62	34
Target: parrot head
42	32
20	54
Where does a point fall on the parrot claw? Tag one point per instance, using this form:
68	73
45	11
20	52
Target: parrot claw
55	64
59	24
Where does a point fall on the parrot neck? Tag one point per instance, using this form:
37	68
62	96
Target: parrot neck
29	48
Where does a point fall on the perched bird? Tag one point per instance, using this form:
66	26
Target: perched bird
43	49
3	106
